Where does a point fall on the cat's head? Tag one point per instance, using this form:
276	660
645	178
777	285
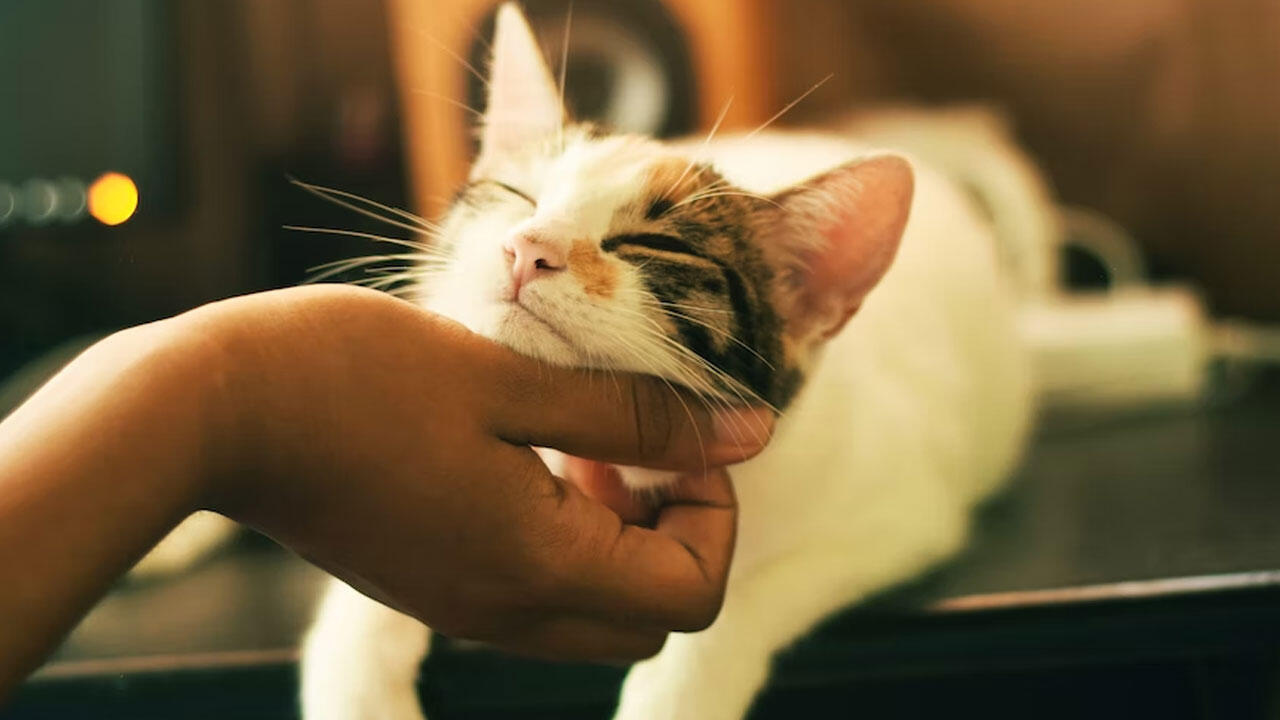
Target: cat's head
620	252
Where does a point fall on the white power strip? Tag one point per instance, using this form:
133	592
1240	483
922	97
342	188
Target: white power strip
1123	349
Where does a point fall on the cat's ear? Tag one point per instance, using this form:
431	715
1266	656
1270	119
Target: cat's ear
524	105
838	233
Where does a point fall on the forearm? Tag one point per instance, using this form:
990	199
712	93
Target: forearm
94	470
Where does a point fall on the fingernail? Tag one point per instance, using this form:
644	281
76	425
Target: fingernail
742	432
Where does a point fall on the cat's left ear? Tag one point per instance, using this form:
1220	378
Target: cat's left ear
838	233
524	105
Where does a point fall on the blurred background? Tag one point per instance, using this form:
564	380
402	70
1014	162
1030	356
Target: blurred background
1164	116
147	146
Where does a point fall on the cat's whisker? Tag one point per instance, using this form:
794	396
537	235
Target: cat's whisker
663	305
423	264
364	260
424	249
688	411
340	266
789	105
408	294
400	212
743	394
696	308
719	184
378	283
448	51
446	99
329	270
420	225
710	398
703	148
723	333
725	193
564	68
697	383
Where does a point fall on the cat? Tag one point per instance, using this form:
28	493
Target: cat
858	293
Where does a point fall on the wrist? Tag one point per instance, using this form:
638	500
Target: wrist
171	388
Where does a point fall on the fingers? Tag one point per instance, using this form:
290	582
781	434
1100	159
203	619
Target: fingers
672	576
625	420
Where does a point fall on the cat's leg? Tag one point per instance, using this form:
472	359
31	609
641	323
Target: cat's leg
360	660
716	674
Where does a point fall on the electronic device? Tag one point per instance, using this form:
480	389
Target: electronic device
89	112
665	67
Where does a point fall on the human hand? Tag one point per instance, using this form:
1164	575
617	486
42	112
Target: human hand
391	447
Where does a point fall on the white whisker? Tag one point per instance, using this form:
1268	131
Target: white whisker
444	98
790	105
426	250
725	193
420	225
723	333
696	308
703	148
470	68
564	68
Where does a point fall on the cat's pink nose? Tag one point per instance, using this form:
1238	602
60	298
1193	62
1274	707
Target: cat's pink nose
532	258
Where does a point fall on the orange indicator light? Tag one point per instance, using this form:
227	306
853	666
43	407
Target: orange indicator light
113	198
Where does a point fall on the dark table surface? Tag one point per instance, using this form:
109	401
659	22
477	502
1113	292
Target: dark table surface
1132	539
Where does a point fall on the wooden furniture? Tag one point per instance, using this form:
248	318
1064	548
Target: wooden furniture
731	44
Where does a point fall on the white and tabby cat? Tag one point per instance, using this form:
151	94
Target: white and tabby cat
791	270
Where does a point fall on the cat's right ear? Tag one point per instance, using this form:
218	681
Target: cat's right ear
837	234
524	106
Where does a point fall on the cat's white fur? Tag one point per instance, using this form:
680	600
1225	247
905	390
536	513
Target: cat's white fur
916	410
198	537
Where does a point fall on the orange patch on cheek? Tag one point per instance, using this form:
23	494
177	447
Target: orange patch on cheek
598	276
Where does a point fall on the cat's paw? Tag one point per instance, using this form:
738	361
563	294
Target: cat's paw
360	660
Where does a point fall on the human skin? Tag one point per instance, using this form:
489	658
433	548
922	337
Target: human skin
387	445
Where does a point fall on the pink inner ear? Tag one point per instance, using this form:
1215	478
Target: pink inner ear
524	102
845	226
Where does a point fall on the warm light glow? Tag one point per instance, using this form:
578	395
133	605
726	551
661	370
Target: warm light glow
113	198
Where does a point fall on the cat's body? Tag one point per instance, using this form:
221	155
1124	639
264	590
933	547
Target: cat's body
908	415
916	410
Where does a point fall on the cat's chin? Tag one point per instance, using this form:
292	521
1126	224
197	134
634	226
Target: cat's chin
526	333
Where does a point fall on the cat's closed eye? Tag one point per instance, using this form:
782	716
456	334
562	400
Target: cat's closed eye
651	241
499	184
